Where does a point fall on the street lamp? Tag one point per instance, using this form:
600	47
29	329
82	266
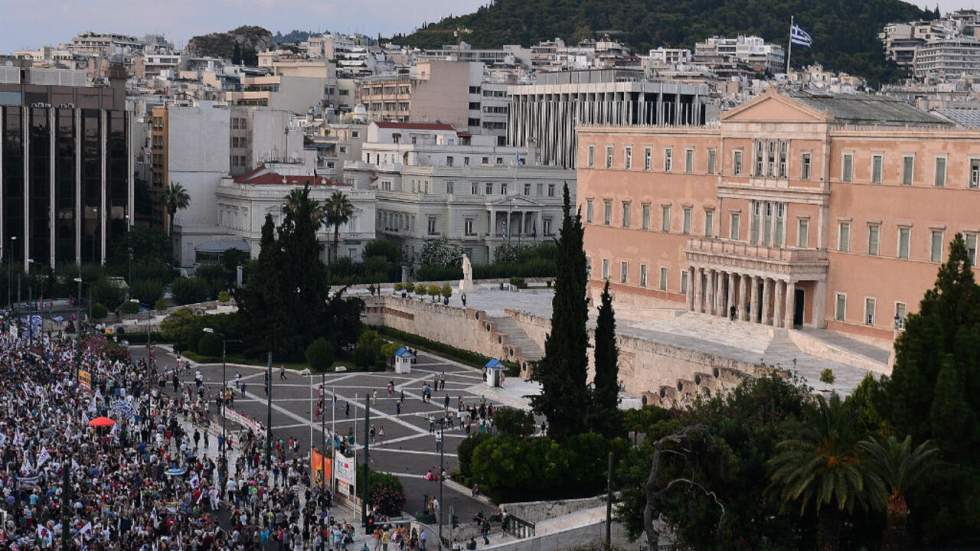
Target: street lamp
137	303
441	446
224	439
28	263
13	243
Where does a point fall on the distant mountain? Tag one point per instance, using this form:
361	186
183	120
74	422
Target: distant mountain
845	32
240	45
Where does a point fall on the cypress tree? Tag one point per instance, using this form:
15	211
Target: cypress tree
259	301
563	370
946	326
605	418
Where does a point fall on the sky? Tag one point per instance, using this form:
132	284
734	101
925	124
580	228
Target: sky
34	23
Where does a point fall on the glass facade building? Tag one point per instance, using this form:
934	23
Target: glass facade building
66	171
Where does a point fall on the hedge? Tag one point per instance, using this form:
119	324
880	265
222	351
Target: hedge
463	356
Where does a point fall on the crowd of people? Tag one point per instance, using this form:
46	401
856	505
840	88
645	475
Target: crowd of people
146	482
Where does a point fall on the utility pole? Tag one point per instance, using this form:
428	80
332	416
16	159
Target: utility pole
609	504
367	459
268	417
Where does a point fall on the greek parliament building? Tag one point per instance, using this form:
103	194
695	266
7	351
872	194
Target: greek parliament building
66	166
796	209
543	116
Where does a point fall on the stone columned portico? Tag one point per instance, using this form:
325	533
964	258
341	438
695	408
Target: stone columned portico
756	283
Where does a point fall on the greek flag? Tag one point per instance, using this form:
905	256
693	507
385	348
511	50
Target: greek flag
800	37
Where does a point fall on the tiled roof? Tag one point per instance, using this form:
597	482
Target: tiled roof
417	125
262	176
968	117
867	109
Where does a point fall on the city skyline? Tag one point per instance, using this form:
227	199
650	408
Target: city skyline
31	25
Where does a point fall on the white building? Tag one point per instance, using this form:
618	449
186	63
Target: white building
947	58
433	183
242	203
751	50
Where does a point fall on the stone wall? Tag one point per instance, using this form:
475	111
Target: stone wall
466	329
663	373
537	511
646	366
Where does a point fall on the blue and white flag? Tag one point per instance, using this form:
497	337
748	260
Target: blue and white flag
799	37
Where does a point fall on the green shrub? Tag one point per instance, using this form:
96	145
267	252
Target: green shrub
518	282
384	492
99	311
160	304
224	297
419	289
463	356
399	287
107	293
367	353
464	453
514	422
319	354
433	290
209	345
189	290
129	308
147	291
447	291
827	376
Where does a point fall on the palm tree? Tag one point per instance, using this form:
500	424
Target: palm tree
894	468
175	198
822	469
338	210
298	200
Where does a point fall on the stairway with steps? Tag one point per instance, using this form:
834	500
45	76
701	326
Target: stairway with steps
516	338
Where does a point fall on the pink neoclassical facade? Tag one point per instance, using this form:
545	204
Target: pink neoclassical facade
804	210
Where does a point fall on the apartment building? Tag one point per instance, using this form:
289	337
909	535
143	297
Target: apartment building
198	144
455	93
296	94
753	51
795	210
434	182
66	167
948	58
543	116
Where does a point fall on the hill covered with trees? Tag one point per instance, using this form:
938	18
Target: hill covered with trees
241	45
845	32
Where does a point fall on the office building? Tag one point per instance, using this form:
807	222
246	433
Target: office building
66	167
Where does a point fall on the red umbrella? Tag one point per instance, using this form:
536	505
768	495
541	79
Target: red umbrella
101	422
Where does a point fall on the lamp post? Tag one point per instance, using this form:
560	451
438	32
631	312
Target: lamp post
78	328
268	426
224	438
441	446
28	264
10	257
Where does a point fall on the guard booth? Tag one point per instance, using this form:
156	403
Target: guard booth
494	371
403	360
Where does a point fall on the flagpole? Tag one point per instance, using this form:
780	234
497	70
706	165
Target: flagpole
789	50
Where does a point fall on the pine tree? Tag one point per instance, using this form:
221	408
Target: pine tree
605	417
563	370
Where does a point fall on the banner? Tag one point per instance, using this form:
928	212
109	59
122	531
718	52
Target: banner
245	422
346	469
317	466
85	379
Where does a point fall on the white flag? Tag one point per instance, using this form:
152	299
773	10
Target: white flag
42	457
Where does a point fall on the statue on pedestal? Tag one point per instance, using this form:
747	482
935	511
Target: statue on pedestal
466	284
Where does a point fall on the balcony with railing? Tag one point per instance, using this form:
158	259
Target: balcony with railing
727	254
